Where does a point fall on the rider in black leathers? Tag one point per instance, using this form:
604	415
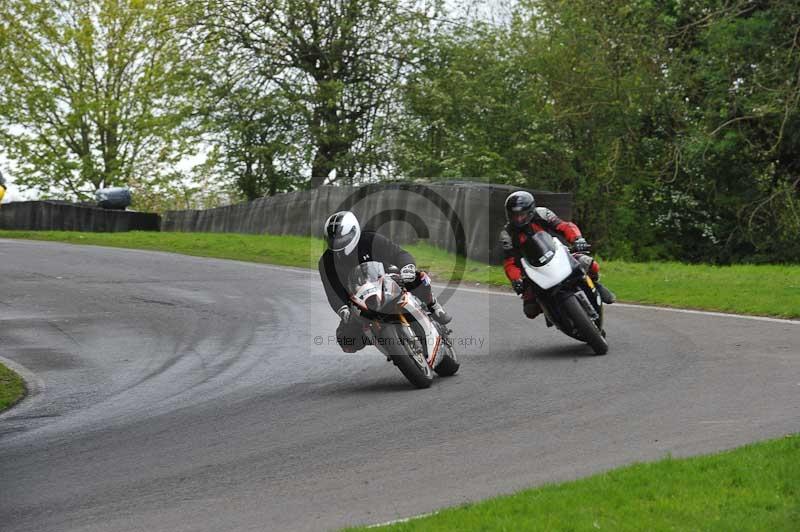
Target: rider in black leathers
348	246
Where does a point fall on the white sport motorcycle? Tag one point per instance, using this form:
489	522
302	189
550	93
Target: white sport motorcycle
399	325
567	295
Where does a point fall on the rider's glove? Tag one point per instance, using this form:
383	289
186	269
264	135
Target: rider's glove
408	273
344	313
518	286
580	245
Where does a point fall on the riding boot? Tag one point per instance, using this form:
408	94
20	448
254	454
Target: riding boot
438	312
606	295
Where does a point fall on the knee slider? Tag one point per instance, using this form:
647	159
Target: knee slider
531	310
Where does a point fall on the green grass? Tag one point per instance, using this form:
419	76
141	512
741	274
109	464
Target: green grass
769	290
12	388
756	487
268	249
772	290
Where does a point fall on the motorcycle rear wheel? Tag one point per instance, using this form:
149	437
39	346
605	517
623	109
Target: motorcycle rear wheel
586	328
449	364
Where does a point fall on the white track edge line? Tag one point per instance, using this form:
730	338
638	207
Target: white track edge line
403	520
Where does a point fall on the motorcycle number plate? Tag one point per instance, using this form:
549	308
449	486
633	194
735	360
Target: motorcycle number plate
366	292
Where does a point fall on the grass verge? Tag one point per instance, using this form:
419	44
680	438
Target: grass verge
12	388
767	290
756	487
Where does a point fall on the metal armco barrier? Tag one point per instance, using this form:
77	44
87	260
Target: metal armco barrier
459	217
62	216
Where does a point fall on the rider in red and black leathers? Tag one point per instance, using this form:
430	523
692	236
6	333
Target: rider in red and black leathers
524	220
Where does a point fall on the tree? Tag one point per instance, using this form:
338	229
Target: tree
330	67
554	99
94	93
468	111
675	124
257	149
257	138
737	70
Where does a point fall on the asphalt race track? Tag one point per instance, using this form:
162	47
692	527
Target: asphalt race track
178	393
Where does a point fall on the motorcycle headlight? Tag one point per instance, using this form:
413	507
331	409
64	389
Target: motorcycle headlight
373	302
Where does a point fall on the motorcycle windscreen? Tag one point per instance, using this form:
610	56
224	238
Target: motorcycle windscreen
391	293
366	272
557	268
539	248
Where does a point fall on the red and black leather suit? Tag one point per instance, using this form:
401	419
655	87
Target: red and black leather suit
512	237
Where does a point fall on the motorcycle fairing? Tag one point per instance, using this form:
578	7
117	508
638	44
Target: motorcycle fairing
367	291
558	268
433	339
380	297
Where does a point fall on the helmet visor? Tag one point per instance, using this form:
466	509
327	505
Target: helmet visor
519	218
340	241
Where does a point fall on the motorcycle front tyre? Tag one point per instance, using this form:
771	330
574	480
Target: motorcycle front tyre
584	325
413	366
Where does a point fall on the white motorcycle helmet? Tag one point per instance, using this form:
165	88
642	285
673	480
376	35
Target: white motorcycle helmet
342	232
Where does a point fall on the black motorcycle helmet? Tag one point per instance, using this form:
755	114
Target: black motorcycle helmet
342	232
520	208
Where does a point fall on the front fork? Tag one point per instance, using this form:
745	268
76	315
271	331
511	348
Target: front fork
584	297
595	310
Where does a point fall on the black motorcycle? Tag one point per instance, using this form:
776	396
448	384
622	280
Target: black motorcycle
564	290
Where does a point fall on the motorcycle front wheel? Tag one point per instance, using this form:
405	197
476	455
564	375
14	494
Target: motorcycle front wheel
584	325
412	364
